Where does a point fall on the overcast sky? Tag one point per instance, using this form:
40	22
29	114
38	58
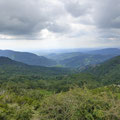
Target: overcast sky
47	24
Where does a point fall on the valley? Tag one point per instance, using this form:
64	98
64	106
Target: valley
83	90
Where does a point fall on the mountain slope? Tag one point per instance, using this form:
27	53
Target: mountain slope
10	67
108	72
79	59
28	58
84	60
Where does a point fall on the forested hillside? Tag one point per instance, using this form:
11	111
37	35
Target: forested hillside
11	67
108	72
41	93
28	58
70	60
83	59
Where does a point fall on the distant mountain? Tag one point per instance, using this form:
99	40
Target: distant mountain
82	59
63	56
107	51
108	72
28	58
60	51
72	59
11	67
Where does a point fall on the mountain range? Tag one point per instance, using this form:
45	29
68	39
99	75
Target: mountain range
28	58
82	59
11	67
107	51
70	60
106	72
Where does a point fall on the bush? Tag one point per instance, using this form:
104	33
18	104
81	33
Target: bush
81	104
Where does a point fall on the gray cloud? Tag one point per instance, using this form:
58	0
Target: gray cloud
26	19
107	14
76	9
28	16
18	17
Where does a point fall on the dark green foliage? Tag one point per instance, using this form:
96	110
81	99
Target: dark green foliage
41	93
9	67
108	72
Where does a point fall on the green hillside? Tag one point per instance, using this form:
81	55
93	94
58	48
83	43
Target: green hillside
108	72
11	67
42	93
84	60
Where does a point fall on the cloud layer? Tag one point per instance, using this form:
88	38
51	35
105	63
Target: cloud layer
77	21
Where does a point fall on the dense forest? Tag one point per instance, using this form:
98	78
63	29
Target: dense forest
50	93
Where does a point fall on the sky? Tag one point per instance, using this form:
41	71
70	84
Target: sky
55	24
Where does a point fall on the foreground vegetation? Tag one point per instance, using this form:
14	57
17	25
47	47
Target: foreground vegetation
76	104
